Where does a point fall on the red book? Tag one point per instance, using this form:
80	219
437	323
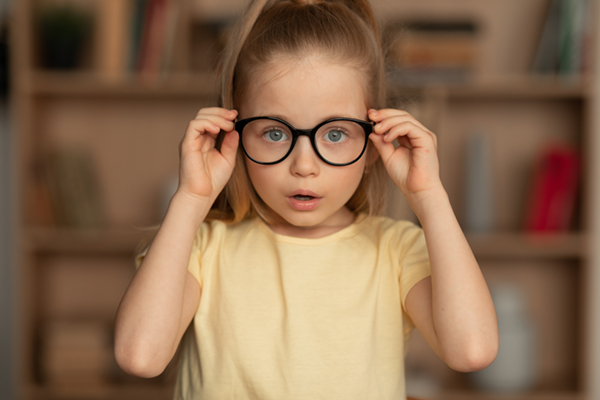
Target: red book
554	191
152	38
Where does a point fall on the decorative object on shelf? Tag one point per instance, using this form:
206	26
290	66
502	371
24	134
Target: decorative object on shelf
515	368
422	385
478	203
555	184
74	189
426	52
63	31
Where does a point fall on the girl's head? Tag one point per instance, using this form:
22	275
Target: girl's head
313	39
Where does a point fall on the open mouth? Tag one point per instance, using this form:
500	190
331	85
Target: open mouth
303	197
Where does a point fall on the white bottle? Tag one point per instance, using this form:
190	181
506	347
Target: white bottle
515	368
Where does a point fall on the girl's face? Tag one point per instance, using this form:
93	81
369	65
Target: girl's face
308	195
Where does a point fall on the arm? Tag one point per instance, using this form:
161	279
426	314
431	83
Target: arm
163	296
453	308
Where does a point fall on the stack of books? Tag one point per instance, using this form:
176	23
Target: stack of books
423	53
137	37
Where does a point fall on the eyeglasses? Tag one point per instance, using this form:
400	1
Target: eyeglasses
337	141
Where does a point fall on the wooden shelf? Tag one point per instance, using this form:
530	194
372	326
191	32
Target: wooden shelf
126	240
525	87
537	395
100	392
109	241
89	84
529	245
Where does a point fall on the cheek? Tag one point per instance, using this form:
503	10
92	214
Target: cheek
351	178
261	177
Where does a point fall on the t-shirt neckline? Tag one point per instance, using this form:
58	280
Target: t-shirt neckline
346	232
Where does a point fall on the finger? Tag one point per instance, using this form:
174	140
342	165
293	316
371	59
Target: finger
405	142
385	149
226	124
387	123
195	131
379	115
219	111
417	136
229	147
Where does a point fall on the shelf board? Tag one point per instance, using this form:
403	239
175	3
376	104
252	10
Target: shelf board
126	240
99	392
89	84
529	245
535	395
518	87
109	241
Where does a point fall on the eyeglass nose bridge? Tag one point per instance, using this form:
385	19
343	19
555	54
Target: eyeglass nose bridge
296	133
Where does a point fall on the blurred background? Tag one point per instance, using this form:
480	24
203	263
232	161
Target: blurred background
95	96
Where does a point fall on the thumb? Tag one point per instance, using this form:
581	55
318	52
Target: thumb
385	149
229	146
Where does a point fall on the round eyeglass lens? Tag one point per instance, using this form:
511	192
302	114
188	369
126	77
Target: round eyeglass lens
266	140
340	142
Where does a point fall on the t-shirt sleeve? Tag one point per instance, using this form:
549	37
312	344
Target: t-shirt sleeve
414	261
414	266
195	257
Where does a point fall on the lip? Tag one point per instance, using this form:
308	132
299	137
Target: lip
304	205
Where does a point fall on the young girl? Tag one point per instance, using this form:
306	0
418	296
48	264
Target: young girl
292	287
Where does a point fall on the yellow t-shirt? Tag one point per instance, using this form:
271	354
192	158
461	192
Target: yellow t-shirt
293	318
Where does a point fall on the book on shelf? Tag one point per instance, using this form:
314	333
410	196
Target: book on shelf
426	52
563	46
72	182
137	37
553	193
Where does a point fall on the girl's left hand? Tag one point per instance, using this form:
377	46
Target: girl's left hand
413	165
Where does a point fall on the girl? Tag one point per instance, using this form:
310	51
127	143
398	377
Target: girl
292	287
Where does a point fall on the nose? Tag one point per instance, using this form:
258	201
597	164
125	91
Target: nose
304	160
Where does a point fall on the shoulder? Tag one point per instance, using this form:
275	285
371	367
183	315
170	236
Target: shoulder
217	231
386	227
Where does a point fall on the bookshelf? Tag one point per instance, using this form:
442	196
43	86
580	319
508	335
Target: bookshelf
130	126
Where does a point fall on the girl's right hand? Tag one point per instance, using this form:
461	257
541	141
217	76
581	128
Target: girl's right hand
203	170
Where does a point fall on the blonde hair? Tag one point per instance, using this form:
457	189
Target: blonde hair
344	32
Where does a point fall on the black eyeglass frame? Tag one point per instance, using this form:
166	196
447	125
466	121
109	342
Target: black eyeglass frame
311	133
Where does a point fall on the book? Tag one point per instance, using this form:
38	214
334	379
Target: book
152	39
112	28
562	46
136	31
432	51
553	195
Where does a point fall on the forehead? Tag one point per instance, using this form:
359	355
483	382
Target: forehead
306	92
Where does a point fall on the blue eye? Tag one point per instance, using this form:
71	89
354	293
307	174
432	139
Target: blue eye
335	136
275	135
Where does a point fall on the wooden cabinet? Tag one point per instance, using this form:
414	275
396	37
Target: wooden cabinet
129	128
